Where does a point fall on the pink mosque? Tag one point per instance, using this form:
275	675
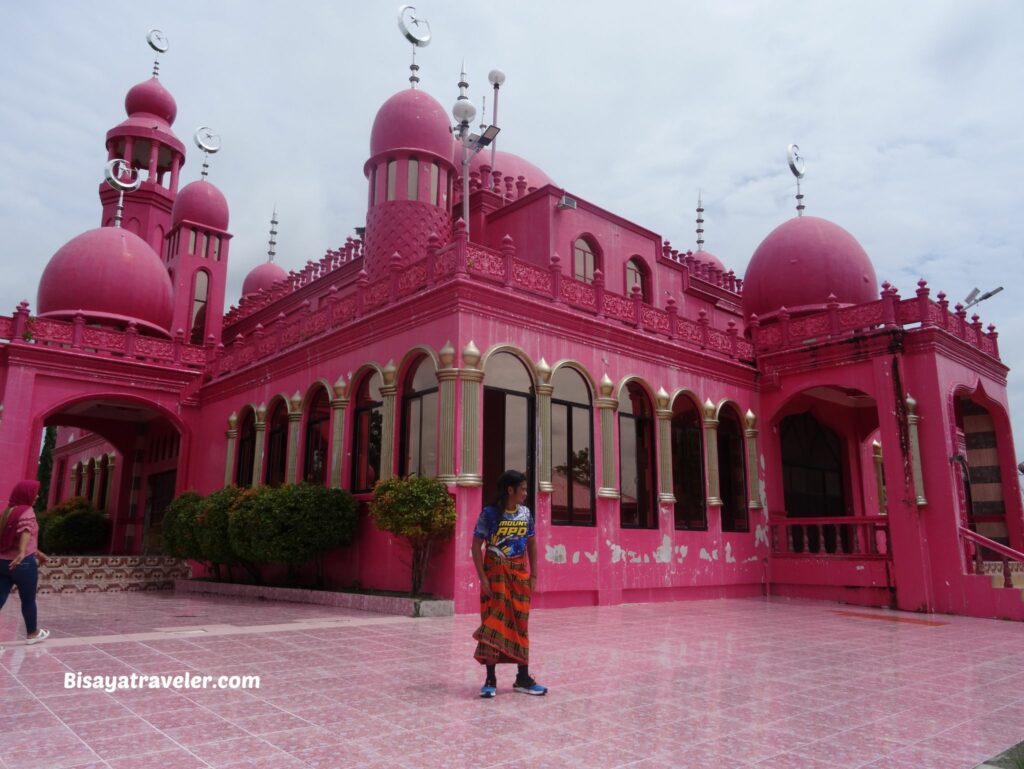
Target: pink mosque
801	431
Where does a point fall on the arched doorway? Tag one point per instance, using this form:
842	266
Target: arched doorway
812	481
133	449
981	475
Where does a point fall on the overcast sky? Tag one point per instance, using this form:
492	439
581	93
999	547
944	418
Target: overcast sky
909	115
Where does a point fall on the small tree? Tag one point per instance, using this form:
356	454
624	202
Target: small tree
418	509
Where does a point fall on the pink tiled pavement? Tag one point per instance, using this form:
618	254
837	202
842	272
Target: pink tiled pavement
739	683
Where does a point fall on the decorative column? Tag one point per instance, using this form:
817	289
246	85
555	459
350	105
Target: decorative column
544	391
664	414
294	423
753	480
338	404
915	451
607	406
883	503
97	475
76	472
109	491
229	459
446	376
387	436
257	460
472	379
711	449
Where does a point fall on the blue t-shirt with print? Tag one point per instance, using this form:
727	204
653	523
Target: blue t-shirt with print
505	532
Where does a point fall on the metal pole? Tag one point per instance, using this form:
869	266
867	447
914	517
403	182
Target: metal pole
494	143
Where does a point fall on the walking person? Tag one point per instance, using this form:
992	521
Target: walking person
504	546
20	555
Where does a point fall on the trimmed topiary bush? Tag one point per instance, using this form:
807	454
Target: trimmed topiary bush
290	524
418	509
211	532
179	527
78	533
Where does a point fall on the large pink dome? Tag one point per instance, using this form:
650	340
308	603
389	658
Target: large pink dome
111	275
509	165
413	120
262	277
150	97
801	263
202	203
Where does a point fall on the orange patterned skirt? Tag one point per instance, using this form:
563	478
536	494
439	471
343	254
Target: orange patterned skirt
502	635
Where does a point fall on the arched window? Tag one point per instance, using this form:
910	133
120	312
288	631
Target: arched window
277	444
732	480
392	178
200	292
637	274
638	506
584	261
419	421
508	428
413	186
246	450
368	420
79	479
373	186
318	427
688	466
572	450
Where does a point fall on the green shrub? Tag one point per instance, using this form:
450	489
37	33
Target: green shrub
78	533
418	509
68	506
290	524
179	527
212	527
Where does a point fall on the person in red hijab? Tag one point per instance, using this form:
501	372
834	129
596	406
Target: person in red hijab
20	555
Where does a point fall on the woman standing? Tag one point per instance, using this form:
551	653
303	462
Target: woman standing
503	542
20	555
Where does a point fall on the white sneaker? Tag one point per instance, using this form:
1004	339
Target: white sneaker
43	635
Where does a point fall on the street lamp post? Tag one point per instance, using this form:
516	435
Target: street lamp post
464	112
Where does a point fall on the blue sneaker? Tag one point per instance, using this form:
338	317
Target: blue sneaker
529	686
489	689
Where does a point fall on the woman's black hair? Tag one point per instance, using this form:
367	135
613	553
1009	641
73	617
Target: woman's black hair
508	478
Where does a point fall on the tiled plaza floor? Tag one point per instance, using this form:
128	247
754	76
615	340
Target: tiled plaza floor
740	683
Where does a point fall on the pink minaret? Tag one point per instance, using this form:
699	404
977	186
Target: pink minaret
145	140
410	172
197	259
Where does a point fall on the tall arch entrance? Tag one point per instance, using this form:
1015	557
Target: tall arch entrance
124	457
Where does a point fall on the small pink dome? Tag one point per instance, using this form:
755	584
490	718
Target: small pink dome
509	165
262	277
801	263
152	98
202	203
709	259
412	119
110	274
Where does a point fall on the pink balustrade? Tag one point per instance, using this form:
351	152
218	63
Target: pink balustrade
77	336
977	548
853	536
